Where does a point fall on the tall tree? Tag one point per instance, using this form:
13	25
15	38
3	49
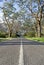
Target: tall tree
36	8
9	15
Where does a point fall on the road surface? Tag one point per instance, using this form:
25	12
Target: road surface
21	51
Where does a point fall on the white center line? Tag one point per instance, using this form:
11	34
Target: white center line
21	60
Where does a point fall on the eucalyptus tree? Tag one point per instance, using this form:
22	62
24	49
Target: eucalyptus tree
27	9
32	9
9	15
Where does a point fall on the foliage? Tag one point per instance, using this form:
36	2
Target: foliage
37	39
30	11
30	34
9	16
14	35
2	35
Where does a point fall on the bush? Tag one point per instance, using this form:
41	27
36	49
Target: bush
14	36
2	35
42	34
30	34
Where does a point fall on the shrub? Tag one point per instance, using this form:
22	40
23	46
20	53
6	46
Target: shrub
2	35
14	36
30	34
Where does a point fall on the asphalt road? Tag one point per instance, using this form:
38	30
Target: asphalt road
21	51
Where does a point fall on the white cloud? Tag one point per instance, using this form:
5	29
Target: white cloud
1	16
1	21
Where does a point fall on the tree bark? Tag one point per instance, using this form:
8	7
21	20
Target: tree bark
39	28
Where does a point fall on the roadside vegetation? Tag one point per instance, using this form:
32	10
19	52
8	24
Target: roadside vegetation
36	39
4	39
28	21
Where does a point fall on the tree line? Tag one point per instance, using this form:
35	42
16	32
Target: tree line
28	18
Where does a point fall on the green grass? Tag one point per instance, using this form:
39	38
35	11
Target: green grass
37	39
4	39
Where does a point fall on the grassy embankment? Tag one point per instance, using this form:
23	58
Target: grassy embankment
4	39
36	38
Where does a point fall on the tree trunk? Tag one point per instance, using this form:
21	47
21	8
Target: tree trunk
10	33
39	23
39	28
36	33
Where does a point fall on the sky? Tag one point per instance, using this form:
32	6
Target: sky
1	0
1	14
1	5
16	6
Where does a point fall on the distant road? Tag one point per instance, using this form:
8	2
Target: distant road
21	51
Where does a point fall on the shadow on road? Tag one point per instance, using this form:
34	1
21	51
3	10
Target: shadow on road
23	43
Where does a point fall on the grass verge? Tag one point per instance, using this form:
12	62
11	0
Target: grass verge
4	39
36	39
